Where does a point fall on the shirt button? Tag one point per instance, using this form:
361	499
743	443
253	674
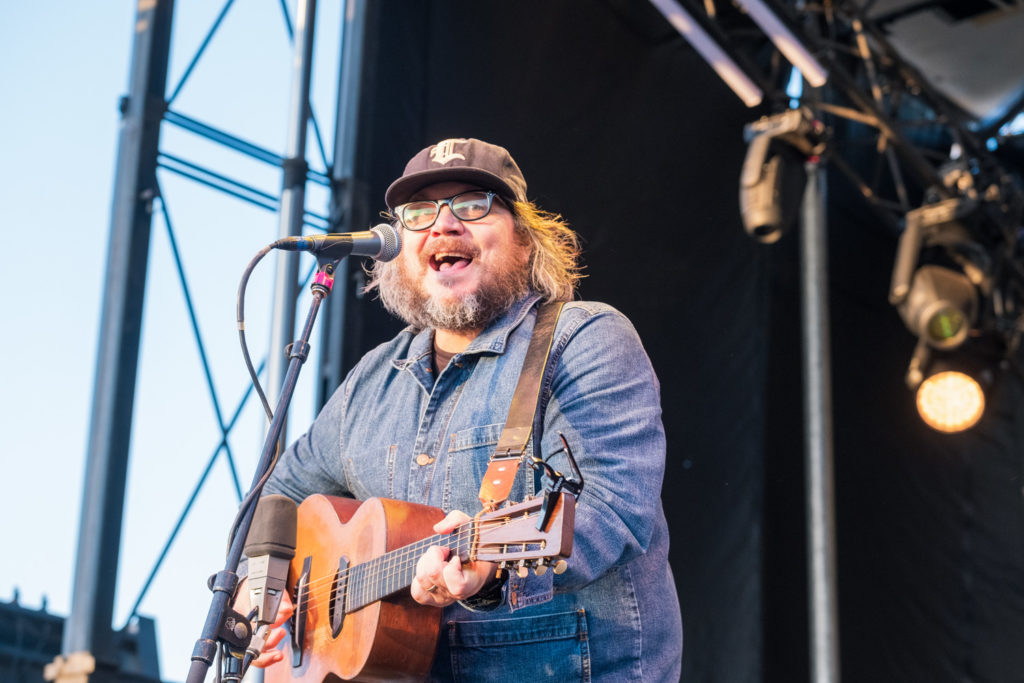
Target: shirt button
423	460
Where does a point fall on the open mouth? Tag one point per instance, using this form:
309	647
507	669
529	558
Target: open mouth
444	261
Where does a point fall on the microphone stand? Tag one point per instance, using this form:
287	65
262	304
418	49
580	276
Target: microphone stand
222	622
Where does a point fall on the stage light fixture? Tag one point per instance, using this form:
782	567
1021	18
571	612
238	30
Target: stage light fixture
937	224
939	301
950	401
940	307
949	388
773	178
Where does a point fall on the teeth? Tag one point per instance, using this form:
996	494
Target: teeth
447	258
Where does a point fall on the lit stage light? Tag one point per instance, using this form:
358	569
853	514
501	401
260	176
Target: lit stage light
950	401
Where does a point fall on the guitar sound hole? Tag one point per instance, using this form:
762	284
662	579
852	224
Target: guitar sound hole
336	611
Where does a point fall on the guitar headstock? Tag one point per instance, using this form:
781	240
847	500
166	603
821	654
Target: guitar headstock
510	537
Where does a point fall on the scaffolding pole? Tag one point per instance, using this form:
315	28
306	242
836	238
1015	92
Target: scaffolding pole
821	546
88	632
349	210
293	200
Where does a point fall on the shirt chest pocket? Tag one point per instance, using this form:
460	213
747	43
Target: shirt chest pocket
469	451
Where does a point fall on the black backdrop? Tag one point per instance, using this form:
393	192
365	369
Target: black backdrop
623	129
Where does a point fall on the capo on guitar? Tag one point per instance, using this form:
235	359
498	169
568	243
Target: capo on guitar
556	480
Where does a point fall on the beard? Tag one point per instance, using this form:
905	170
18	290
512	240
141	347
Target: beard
404	296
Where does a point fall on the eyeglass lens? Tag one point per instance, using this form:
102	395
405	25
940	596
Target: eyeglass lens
468	206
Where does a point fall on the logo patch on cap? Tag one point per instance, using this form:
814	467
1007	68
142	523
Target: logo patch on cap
444	151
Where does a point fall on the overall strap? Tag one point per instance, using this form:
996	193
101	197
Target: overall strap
501	471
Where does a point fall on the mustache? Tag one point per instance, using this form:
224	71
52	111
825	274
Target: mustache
450	245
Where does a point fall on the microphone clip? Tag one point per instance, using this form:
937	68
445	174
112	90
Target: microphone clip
323	280
234	629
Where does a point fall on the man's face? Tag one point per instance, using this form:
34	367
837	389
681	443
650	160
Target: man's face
456	275
452	258
463	273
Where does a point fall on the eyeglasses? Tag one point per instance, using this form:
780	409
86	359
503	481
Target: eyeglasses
466	206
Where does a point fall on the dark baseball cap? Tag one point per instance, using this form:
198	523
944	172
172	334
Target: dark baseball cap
460	159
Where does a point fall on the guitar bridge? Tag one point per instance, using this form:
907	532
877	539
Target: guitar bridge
339	590
301	611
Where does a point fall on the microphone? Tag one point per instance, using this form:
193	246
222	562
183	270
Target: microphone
270	548
381	242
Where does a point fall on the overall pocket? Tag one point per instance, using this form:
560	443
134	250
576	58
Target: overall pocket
550	647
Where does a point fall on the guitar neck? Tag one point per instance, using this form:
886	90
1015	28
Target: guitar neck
512	535
393	571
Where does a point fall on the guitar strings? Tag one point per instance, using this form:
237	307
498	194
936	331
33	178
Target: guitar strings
360	590
459	536
452	540
391	565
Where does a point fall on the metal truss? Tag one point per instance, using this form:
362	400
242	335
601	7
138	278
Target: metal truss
877	120
874	98
243	191
138	195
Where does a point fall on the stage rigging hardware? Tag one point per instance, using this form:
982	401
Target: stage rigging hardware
911	151
850	100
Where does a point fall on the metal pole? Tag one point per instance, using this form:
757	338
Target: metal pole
293	195
348	194
824	622
87	631
224	583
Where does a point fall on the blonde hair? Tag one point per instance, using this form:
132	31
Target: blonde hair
554	256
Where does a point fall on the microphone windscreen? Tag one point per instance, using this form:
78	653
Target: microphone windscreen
273	529
390	241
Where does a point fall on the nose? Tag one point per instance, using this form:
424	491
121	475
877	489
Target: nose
447	223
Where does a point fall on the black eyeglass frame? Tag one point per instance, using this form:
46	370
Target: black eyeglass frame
491	196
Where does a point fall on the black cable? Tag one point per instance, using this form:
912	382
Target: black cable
257	489
241	329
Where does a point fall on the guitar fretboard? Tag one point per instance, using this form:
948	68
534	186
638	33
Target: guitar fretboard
393	571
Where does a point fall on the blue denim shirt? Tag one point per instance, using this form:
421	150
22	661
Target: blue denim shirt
394	430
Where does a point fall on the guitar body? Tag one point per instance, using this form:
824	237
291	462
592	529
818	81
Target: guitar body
390	639
355	619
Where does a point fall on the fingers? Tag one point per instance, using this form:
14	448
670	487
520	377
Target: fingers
276	634
269	655
285	609
429	586
440	580
267	658
451	520
459	583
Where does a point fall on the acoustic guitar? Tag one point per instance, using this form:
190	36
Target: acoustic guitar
354	562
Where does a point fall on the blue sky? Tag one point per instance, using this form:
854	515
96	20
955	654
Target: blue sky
65	66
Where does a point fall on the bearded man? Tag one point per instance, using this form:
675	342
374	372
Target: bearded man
418	418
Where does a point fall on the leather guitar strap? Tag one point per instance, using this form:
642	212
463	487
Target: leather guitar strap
504	464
